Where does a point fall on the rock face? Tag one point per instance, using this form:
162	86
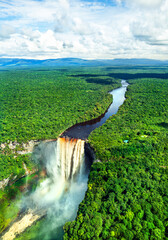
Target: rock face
3	145
89	152
4	182
10	180
19	226
26	147
10	144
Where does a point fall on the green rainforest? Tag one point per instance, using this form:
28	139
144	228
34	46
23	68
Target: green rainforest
127	194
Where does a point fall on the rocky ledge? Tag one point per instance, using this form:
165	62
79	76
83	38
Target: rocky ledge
20	148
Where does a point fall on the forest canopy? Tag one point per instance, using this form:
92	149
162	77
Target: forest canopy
42	104
127	196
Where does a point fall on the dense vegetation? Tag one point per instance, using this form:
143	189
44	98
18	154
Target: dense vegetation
13	166
40	105
10	198
127	196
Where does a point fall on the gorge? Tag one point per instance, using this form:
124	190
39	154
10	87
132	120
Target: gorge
66	163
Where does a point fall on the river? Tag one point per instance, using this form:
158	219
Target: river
66	164
82	130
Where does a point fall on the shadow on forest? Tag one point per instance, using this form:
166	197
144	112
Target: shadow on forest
87	75
127	76
163	124
96	78
102	81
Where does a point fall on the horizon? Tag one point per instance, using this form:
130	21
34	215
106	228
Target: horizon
86	59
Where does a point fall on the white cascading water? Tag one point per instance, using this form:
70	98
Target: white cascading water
64	160
70	156
64	188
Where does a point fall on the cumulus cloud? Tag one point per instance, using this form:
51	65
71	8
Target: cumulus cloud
6	31
146	3
152	27
76	28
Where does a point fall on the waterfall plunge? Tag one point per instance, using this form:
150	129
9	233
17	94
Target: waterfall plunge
70	156
64	163
64	188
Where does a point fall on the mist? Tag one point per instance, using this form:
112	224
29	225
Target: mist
60	193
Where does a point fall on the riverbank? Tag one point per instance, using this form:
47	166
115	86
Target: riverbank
19	226
24	226
127	191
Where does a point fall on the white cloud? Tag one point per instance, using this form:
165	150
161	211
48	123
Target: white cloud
152	27
146	3
62	28
6	31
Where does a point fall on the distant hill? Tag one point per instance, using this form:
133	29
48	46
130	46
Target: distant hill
61	62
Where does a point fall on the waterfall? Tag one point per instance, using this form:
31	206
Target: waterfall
58	196
64	163
69	157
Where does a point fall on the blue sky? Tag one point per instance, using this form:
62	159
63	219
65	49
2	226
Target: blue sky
98	29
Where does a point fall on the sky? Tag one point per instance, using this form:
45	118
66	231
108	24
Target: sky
97	29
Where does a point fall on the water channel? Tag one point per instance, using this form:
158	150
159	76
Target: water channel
66	165
82	130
